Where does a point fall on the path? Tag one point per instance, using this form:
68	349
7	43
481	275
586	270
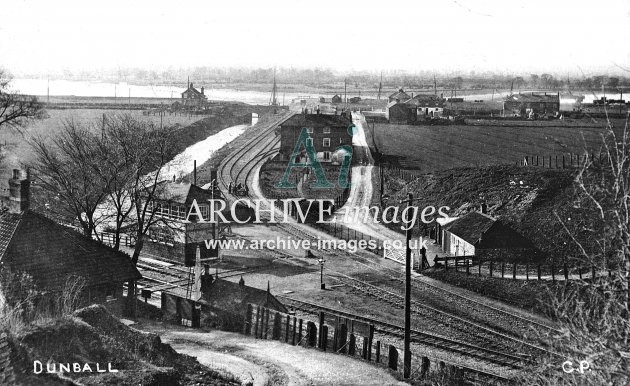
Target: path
264	362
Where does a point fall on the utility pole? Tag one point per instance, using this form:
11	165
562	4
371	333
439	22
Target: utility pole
345	92
48	92
407	352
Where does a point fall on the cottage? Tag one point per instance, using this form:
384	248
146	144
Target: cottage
532	105
427	105
336	99
326	133
193	97
477	234
52	253
399	96
401	113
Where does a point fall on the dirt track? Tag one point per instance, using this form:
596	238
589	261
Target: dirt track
264	362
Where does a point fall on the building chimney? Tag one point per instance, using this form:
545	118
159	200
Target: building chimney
19	188
202	90
191	85
483	208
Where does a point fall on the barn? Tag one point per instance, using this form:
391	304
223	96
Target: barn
401	113
399	96
478	234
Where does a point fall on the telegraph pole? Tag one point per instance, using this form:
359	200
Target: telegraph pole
407	353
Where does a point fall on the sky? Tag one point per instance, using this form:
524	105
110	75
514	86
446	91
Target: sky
503	36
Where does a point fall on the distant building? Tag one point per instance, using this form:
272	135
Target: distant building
193	97
326	133
356	99
477	234
336	99
401	113
427	105
52	253
532	105
322	100
399	96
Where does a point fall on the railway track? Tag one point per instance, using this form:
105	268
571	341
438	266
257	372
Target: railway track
518	321
419	337
479	334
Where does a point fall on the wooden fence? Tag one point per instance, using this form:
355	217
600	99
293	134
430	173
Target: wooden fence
109	238
472	265
338	335
563	161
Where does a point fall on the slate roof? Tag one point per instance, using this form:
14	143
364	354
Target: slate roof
485	232
425	100
226	294
400	95
317	120
51	253
194	91
182	193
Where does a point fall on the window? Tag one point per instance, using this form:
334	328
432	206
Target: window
309	130
326	130
309	142
204	211
326	142
326	156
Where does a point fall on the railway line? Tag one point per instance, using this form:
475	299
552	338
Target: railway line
419	337
475	332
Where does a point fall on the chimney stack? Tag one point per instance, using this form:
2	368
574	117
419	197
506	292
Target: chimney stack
202	90
19	188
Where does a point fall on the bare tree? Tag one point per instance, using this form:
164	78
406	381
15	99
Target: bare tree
138	151
64	168
16	108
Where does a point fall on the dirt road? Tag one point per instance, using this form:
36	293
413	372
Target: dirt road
265	362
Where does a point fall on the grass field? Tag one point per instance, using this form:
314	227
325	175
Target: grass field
430	148
16	148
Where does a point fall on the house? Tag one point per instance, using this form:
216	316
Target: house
478	234
399	96
193	97
472	108
427	105
224	303
336	99
356	99
52	253
532	105
401	113
175	236
326	133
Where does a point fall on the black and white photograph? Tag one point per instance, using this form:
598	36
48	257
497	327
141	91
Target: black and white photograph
320	193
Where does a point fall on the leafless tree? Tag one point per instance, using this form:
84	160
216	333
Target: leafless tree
64	168
16	108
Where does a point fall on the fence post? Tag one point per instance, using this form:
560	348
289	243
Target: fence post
566	270
514	271
592	272
323	333
248	319
378	351
526	271
370	342
352	345
276	333
364	354
393	358
266	320
287	327
503	266
580	272
311	333
479	268
320	328
256	325
539	273
299	331
491	264
467	268
343	337
293	338
553	273
424	368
